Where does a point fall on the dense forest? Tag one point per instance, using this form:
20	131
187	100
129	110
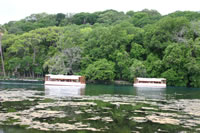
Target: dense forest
107	45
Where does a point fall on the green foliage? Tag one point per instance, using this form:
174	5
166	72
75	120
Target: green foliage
102	40
174	78
65	62
140	19
31	22
191	16
59	18
137	51
183	68
175	59
110	17
26	53
84	18
154	66
159	35
100	70
122	64
137	69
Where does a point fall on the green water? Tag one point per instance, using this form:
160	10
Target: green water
27	107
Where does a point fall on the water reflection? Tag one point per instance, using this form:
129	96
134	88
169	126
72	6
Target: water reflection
61	91
102	89
152	93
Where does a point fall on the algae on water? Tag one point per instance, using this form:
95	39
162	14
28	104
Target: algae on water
30	110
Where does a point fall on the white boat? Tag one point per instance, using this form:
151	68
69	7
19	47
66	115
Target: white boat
64	80
150	82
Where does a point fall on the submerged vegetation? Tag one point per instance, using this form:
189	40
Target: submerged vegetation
107	45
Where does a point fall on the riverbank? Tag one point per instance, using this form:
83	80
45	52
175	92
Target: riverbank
21	80
122	82
117	82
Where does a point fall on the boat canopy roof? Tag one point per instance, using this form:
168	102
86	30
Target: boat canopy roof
150	79
64	76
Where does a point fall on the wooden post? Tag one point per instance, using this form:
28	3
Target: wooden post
1	52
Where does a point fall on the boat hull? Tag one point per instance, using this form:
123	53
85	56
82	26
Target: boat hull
53	83
149	85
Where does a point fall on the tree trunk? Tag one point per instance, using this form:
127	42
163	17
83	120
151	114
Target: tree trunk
34	54
30	73
33	74
2	61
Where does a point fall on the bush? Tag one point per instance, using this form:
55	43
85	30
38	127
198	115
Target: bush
100	70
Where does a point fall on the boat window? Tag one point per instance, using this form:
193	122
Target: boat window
156	82
62	80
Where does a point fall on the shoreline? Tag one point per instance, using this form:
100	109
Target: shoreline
21	80
117	82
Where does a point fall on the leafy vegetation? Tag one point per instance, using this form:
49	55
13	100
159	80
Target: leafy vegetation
108	45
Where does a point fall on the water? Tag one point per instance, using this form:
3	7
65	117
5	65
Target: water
33	108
